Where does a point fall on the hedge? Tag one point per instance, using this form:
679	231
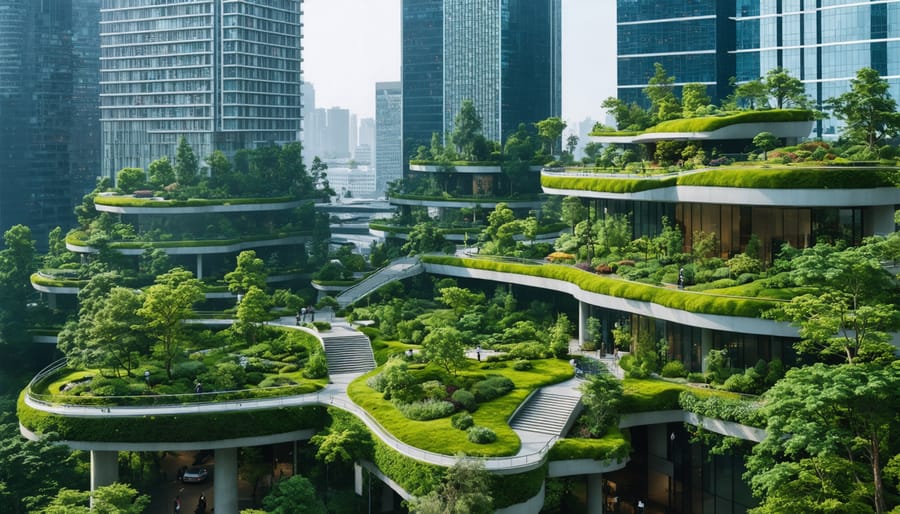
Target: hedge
648	395
710	123
172	428
606	185
613	445
79	238
129	201
673	298
792	178
473	199
43	280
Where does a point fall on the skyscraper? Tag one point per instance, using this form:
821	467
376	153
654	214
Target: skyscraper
225	74
710	41
388	159
504	56
44	111
367	131
337	134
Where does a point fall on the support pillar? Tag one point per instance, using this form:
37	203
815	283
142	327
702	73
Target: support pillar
584	312
225	500
706	340
595	493
199	266
104	468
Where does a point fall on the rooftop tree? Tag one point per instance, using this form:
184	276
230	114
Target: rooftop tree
166	305
660	91
868	110
784	89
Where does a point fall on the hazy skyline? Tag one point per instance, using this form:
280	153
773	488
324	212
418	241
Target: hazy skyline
348	45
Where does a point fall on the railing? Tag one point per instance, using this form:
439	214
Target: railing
378	279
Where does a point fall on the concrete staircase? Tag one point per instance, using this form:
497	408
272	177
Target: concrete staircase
547	412
348	352
396	270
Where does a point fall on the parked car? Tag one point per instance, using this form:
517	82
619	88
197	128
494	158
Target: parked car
195	474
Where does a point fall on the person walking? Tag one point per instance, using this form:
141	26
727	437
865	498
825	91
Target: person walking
178	505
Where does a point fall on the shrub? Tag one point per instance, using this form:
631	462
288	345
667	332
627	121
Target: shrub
317	366
289	368
746	278
528	351
188	369
462	420
481	435
740	383
524	365
277	382
492	387
697	378
674	369
426	409
377	382
322	326
466	399
627	362
255	377
603	268
434	390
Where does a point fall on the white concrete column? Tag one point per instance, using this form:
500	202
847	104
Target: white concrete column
199	266
706	340
595	493
225	500
104	468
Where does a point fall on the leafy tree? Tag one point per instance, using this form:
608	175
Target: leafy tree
57	253
518	153
167	303
186	164
345	440
161	173
693	98
592	151
868	110
559	336
459	299
571	144
628	116
249	272
550	130
573	211
765	141
253	467
252	312
220	174
295	494
445	347
785	89
154	261
110	499
601	396
130	179
661	93
704	245
829	432
501	228
17	263
670	241
424	237
465	489
319	176
614	232
854	309
752	94
114	331
466	128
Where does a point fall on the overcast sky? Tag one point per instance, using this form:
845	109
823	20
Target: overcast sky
348	45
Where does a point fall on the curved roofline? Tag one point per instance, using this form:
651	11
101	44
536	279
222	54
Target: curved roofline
200	209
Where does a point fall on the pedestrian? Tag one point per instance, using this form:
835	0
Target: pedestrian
178	505
298	318
478	352
312	313
640	507
201	504
198	388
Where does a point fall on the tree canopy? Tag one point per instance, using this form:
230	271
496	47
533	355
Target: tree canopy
868	110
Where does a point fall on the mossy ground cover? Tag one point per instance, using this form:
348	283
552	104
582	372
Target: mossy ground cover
613	445
438	435
130	201
648	395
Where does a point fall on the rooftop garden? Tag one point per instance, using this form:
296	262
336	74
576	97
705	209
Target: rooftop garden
714	122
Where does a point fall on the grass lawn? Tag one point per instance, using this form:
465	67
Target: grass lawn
613	445
648	395
439	436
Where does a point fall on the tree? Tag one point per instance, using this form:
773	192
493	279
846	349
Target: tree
601	396
571	144
851	315
628	116
829	430
128	180
186	165
559	336
466	128
252	312
518	153
114	331
661	93
765	141
868	109
345	440
573	211
445	347
17	263
752	94
500	232
319	177
424	237
167	303
693	98
550	130
459	299
465	489
161	173
115	498
785	89
592	151
220	174
250	271
295	494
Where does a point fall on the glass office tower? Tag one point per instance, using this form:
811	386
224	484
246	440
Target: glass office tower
225	74
504	55
821	42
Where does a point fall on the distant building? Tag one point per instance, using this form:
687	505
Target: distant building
337	134
388	157
353	134
504	56
309	106
358	182
362	154
315	126
197	69
48	70
367	132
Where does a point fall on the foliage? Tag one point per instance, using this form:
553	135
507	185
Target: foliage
738	410
426	409
784	89
660	91
17	263
166	304
345	439
466	129
115	498
602	399
868	110
559	336
462	421
130	179
464	489
833	422
693	98
252	312
161	173
481	435
294	494
629	117
765	141
613	445
250	271
186	165
466	399
445	347
711	123
491	388
673	369
550	130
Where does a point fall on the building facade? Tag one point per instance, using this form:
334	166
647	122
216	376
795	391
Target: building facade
225	74
337	134
504	56
46	112
822	43
388	156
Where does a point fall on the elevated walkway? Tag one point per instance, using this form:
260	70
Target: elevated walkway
550	411
396	270
347	351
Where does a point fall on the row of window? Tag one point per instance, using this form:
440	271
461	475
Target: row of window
137	38
155	100
232	46
172	74
146	12
160	24
155	50
157	62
